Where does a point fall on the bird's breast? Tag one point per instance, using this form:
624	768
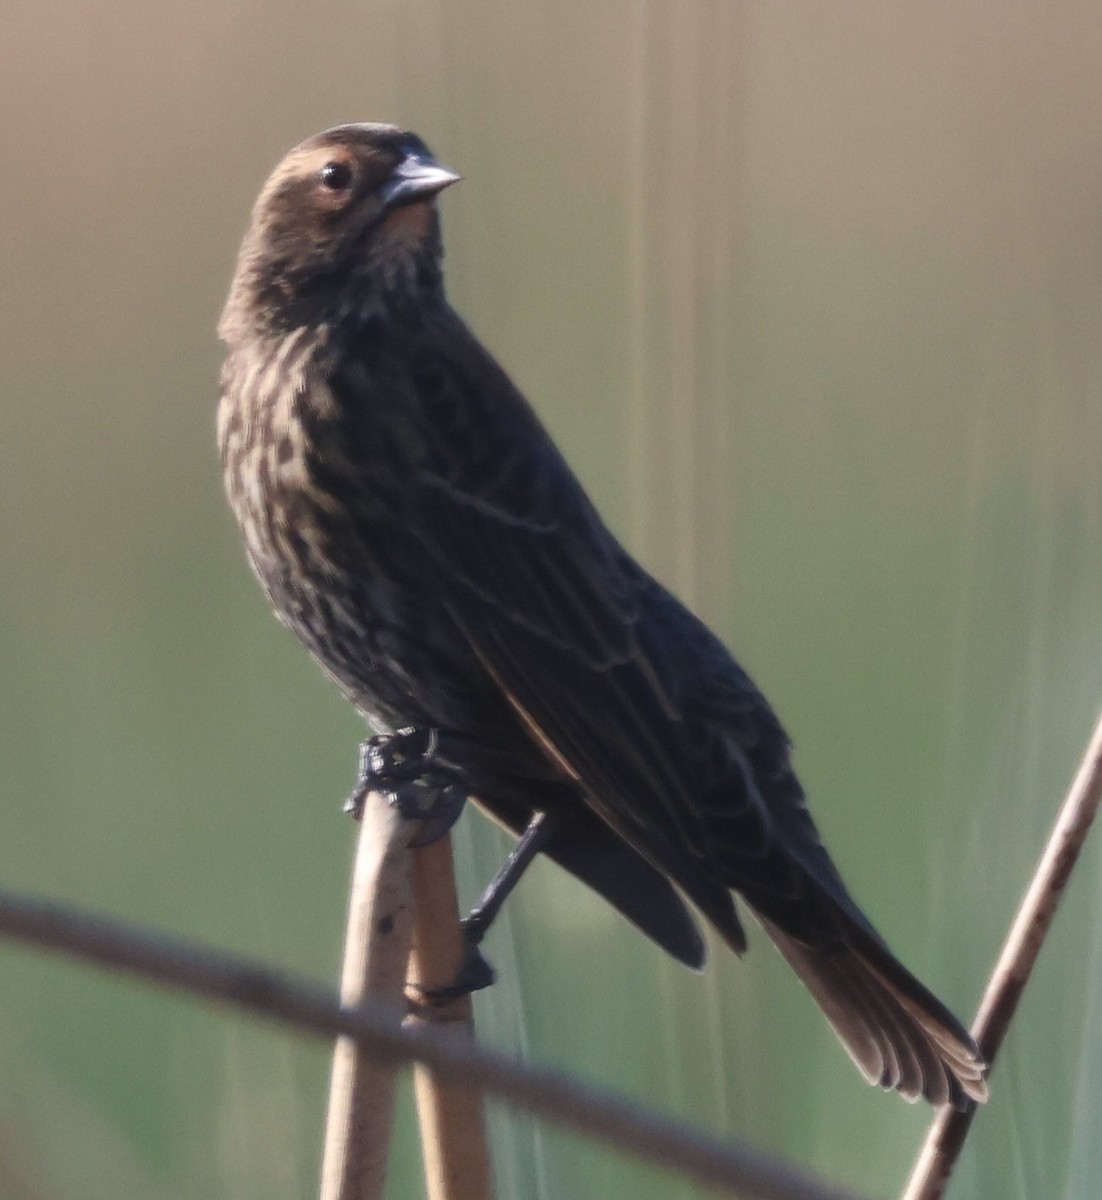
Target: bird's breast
324	534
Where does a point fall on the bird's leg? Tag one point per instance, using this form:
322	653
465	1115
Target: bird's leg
406	767
474	971
532	841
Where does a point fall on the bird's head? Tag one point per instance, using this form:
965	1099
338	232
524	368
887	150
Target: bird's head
345	224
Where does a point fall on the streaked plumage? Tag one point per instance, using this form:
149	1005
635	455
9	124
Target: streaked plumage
411	520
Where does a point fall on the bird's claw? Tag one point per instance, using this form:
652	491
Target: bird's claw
405	768
406	754
474	974
436	807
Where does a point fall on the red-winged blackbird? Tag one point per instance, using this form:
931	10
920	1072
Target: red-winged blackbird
411	520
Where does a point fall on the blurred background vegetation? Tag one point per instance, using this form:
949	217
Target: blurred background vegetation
811	296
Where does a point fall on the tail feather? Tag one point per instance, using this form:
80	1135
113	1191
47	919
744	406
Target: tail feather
901	1037
911	1063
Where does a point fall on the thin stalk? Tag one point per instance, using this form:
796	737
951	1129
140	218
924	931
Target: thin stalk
454	1143
377	946
939	1154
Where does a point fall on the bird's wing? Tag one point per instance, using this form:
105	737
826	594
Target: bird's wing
572	629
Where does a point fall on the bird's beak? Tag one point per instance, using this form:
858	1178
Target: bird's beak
416	177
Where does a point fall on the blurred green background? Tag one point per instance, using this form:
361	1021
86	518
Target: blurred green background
812	297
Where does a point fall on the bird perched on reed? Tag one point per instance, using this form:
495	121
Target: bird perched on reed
411	520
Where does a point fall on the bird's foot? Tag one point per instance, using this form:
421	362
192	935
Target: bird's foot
473	974
406	767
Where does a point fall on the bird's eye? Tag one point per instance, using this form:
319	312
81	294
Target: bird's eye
336	176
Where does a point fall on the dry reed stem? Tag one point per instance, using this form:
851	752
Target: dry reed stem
454	1143
186	967
945	1139
377	944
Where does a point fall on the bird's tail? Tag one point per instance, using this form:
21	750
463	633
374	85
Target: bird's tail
898	1033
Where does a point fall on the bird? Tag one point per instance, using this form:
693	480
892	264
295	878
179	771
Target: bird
411	520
